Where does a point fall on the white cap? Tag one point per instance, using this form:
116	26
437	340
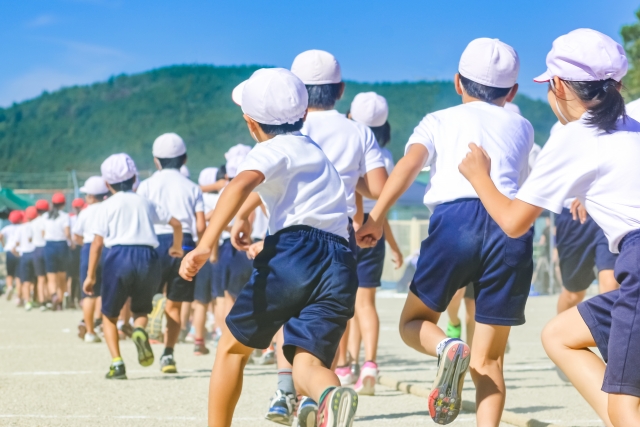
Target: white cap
272	96
235	156
512	107
118	168
490	62
184	170
370	109
317	67
208	176
168	146
585	55
94	185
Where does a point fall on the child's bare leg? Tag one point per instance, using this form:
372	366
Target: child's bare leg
567	299
88	310
607	281
140	320
355	339
199	318
225	384
219	311
310	376
419	326
487	357
567	339
454	307
470	306
172	311
98	306
52	283
61	279
341	358
110	330
368	322
624	410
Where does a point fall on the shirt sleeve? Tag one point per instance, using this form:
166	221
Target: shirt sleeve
78	227
100	223
143	189
372	158
265	160
565	168
199	200
423	134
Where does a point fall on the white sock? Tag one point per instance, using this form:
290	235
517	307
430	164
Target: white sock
119	324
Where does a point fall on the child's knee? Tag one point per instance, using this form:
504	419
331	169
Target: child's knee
552	335
623	410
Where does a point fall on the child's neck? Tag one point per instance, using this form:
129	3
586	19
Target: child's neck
314	109
499	102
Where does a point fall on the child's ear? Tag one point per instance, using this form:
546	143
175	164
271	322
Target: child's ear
512	93
457	84
342	86
251	124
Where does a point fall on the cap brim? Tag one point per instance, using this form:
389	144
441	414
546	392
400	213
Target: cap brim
236	95
83	189
543	78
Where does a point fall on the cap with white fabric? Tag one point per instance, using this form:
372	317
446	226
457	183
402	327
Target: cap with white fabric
118	168
208	176
272	96
490	62
370	109
235	156
184	170
168	146
585	55
94	185
512	107
317	67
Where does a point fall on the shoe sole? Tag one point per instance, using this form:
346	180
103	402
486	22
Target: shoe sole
154	327
307	416
279	418
342	409
119	377
445	399
200	353
145	353
169	370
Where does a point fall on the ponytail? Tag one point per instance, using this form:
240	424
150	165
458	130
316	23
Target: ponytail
55	210
604	100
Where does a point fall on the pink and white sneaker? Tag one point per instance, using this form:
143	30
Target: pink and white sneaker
338	408
345	375
366	384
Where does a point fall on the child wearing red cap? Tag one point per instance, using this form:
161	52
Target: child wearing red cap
57	233
37	226
25	249
73	268
7	237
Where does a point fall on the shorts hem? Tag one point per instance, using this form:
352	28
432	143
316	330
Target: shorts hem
621	389
241	338
369	284
592	324
575	289
426	301
500	321
307	346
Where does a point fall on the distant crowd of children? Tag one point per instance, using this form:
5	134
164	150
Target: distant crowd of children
282	248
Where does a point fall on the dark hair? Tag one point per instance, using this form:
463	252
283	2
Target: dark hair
41	211
482	92
382	133
173	162
323	96
101	197
124	185
281	129
55	209
222	171
606	104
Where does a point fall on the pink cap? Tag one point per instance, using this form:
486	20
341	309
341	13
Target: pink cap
42	205
58	198
31	212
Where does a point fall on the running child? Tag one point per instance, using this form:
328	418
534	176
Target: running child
182	199
131	267
305	277
73	269
37	225
57	234
25	249
8	236
593	158
95	190
465	245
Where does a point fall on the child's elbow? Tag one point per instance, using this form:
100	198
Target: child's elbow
514	229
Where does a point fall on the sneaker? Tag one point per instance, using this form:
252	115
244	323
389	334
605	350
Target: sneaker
307	412
200	350
91	338
446	397
268	357
454	331
116	372
154	327
141	340
47	306
168	364
18	302
82	330
28	306
182	335
345	375
281	408
355	369
562	375
338	408
366	384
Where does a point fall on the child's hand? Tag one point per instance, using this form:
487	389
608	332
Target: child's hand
476	163
241	234
193	262
369	234
88	285
176	252
255	249
396	257
578	211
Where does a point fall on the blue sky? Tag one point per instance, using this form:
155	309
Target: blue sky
53	43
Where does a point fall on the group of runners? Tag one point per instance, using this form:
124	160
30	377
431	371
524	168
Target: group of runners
284	245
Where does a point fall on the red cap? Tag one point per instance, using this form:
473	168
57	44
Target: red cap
42	205
16	217
58	198
78	203
31	212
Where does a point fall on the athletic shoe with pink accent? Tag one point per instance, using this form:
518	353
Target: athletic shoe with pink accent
338	408
366	384
445	399
345	375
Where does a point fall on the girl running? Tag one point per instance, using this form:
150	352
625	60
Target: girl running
56	251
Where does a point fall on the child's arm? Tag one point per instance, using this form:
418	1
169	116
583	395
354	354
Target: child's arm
513	216
78	239
176	251
67	233
230	202
201	224
94	255
396	255
372	183
242	227
358	218
216	186
578	211
400	180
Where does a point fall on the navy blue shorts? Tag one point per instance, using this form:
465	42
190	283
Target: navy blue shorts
580	248
465	245
232	271
614	321
370	263
27	269
84	268
178	289
56	257
304	279
38	262
203	290
129	271
12	264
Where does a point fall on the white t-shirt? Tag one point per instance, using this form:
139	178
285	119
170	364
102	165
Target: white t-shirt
177	195
350	146
127	218
507	137
600	169
301	186
24	234
633	109
368	204
37	225
9	233
210	200
85	223
260	225
54	228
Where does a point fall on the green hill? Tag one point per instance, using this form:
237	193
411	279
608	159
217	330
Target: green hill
77	127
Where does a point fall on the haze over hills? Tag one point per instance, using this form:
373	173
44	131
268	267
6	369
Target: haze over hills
78	127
